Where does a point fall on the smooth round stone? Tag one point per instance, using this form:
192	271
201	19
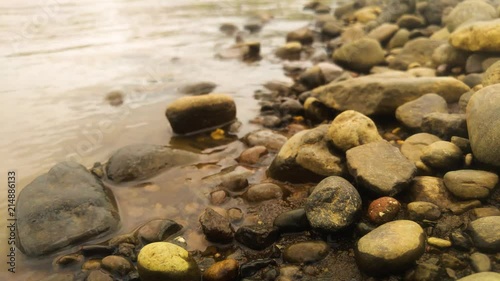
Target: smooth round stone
163	261
116	264
470	184
485	233
391	247
218	197
306	252
350	129
226	270
360	55
264	191
253	154
383	210
333	204
480	262
442	155
482	276
423	211
267	138
292	221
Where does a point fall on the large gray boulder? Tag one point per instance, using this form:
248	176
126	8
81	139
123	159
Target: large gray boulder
483	124
64	207
380	167
142	161
382	95
307	157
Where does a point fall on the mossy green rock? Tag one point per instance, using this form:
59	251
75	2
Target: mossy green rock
162	261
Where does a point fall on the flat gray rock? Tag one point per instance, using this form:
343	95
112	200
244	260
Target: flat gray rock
380	167
382	95
142	161
64	207
412	113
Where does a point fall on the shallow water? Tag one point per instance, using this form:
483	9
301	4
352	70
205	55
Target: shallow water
60	58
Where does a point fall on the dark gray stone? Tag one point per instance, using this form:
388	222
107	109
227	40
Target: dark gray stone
333	205
292	221
445	125
71	206
216	227
257	237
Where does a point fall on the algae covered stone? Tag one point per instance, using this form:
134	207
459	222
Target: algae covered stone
163	261
478	37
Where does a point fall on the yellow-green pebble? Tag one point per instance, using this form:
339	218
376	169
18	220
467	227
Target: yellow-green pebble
163	261
438	242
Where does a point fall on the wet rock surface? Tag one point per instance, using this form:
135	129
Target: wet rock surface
71	206
330	190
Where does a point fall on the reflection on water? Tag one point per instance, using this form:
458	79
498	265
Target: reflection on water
60	58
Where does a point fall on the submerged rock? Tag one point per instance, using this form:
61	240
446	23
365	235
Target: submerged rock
198	88
142	161
226	270
257	237
376	95
380	168
492	75
195	113
71	207
307	157
391	247
306	252
482	276
333	205
166	262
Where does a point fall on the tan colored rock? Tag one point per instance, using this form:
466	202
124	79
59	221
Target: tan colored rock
373	95
478	37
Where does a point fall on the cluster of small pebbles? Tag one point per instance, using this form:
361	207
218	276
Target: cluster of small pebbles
379	162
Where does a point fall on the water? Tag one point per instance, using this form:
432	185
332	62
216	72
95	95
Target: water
59	59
